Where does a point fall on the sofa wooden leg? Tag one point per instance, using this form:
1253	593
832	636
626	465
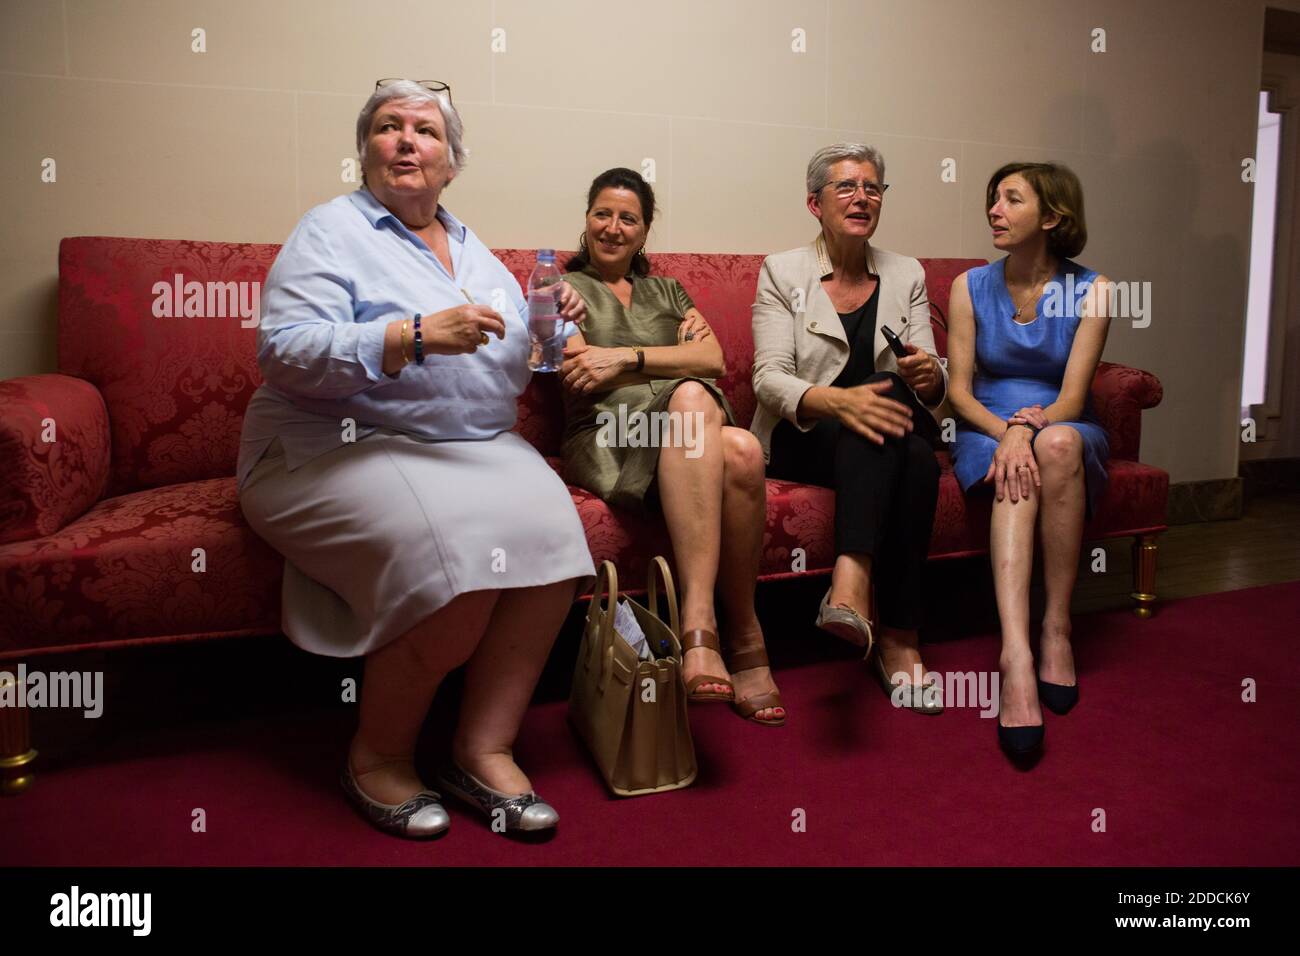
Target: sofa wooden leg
16	753
1144	574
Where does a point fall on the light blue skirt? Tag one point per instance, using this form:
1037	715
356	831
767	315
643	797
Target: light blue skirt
380	533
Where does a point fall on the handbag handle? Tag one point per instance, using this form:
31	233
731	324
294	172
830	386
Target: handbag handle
606	581
652	594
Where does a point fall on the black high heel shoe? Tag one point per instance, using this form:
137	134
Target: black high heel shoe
1058	698
1019	741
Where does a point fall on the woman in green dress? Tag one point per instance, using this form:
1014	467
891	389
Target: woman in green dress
646	427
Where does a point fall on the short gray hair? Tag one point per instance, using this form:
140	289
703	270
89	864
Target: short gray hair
819	167
410	90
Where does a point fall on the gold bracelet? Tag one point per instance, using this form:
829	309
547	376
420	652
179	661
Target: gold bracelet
405	323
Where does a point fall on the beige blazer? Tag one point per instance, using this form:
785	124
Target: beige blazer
799	340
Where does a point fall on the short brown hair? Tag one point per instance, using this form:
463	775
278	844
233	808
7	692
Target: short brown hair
1059	192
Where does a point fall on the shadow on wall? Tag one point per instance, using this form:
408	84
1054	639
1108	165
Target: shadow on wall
1197	271
1199	328
47	359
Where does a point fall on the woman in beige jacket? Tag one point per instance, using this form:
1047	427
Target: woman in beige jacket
838	408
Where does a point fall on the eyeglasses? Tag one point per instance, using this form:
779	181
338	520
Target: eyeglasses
848	188
435	86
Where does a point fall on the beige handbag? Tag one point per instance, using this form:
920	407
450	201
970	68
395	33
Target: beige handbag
631	713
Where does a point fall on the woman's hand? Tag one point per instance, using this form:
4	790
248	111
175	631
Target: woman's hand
869	413
693	328
459	330
1014	468
572	306
587	367
920	371
1030	415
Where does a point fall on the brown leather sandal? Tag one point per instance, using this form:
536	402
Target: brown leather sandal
747	659
707	639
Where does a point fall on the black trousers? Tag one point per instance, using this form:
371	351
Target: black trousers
885	496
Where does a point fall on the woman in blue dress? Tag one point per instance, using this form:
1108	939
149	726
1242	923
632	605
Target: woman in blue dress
1026	334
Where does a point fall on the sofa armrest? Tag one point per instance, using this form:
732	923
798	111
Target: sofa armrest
1119	394
54	453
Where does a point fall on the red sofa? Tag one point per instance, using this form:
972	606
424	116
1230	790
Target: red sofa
99	528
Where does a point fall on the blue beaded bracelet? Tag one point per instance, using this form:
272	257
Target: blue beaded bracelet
419	342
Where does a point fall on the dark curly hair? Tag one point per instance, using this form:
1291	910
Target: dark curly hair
620	177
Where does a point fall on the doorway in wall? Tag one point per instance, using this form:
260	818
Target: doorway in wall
1270	393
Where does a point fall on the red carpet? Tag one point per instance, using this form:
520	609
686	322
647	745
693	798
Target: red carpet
1186	773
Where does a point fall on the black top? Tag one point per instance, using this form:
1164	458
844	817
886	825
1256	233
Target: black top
860	329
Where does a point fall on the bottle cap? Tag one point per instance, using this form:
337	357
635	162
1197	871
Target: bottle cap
546	253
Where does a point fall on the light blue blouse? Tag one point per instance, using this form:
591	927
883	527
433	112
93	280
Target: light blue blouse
348	269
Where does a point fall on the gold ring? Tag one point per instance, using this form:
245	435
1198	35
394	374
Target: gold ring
482	338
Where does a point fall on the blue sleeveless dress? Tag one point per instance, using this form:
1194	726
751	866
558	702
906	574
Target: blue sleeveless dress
1023	364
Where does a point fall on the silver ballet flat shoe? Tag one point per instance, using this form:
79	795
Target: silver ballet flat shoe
422	817
525	812
846	624
926	699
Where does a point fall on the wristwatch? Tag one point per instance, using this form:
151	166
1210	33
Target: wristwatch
1025	425
640	358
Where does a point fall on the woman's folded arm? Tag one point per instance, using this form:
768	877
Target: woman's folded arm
697	359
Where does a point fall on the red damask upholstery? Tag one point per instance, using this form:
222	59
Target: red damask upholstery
125	573
1119	394
54	450
175	387
939	276
98	530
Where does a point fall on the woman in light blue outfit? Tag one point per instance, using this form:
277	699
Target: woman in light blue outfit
418	530
1026	334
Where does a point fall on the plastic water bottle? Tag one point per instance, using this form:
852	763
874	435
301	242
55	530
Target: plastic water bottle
545	323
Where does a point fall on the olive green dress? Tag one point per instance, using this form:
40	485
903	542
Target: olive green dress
621	475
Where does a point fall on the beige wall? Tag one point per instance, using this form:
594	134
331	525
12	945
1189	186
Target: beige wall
151	139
